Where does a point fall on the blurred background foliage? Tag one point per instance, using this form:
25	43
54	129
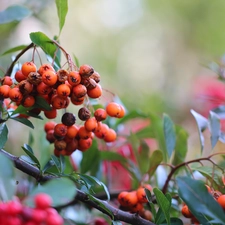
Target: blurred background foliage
147	52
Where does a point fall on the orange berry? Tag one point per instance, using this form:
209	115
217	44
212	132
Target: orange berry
72	146
95	92
34	78
60	145
63	90
84	144
221	201
19	76
136	208
83	133
25	87
101	130
28	67
110	135
49	126
86	71
49	77
58	102
141	195
76	101
60	130
79	90
15	95
45	67
62	75
131	198
122	198
72	131
28	101
50	114
50	136
43	89
57	153
122	112
74	78
7	81
100	114
186	212
113	109
4	91
90	124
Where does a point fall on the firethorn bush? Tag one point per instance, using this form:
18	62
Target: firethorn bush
105	164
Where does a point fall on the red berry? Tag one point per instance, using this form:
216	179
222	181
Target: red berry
42	201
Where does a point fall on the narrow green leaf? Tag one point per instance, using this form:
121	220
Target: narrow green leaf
56	162
101	205
214	127
28	150
169	134
27	159
47	45
112	156
14	13
91	159
40	102
23	121
143	157
62	190
194	193
163	203
3	134
62	163
62	9
146	132
14	49
155	159
181	147
7	178
174	221
76	60
202	124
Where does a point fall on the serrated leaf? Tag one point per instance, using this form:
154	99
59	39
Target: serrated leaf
169	134
23	121
202	124
194	193
62	190
28	150
7	178
62	9
14	13
214	127
163	203
47	45
14	49
3	134
155	159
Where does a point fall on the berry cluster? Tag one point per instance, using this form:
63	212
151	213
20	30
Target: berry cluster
15	213
134	201
217	195
58	89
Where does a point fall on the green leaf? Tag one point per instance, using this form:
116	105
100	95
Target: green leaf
202	124
212	174
27	159
47	45
214	127
91	181
62	163
163	203
62	190
194	193
91	159
181	147
101	205
155	159
28	150
23	121
56	162
112	156
14	49
14	13
62	9
40	102
76	60
3	134
143	158
7	178
146	132
174	221
169	134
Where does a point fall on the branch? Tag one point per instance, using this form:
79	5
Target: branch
80	196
